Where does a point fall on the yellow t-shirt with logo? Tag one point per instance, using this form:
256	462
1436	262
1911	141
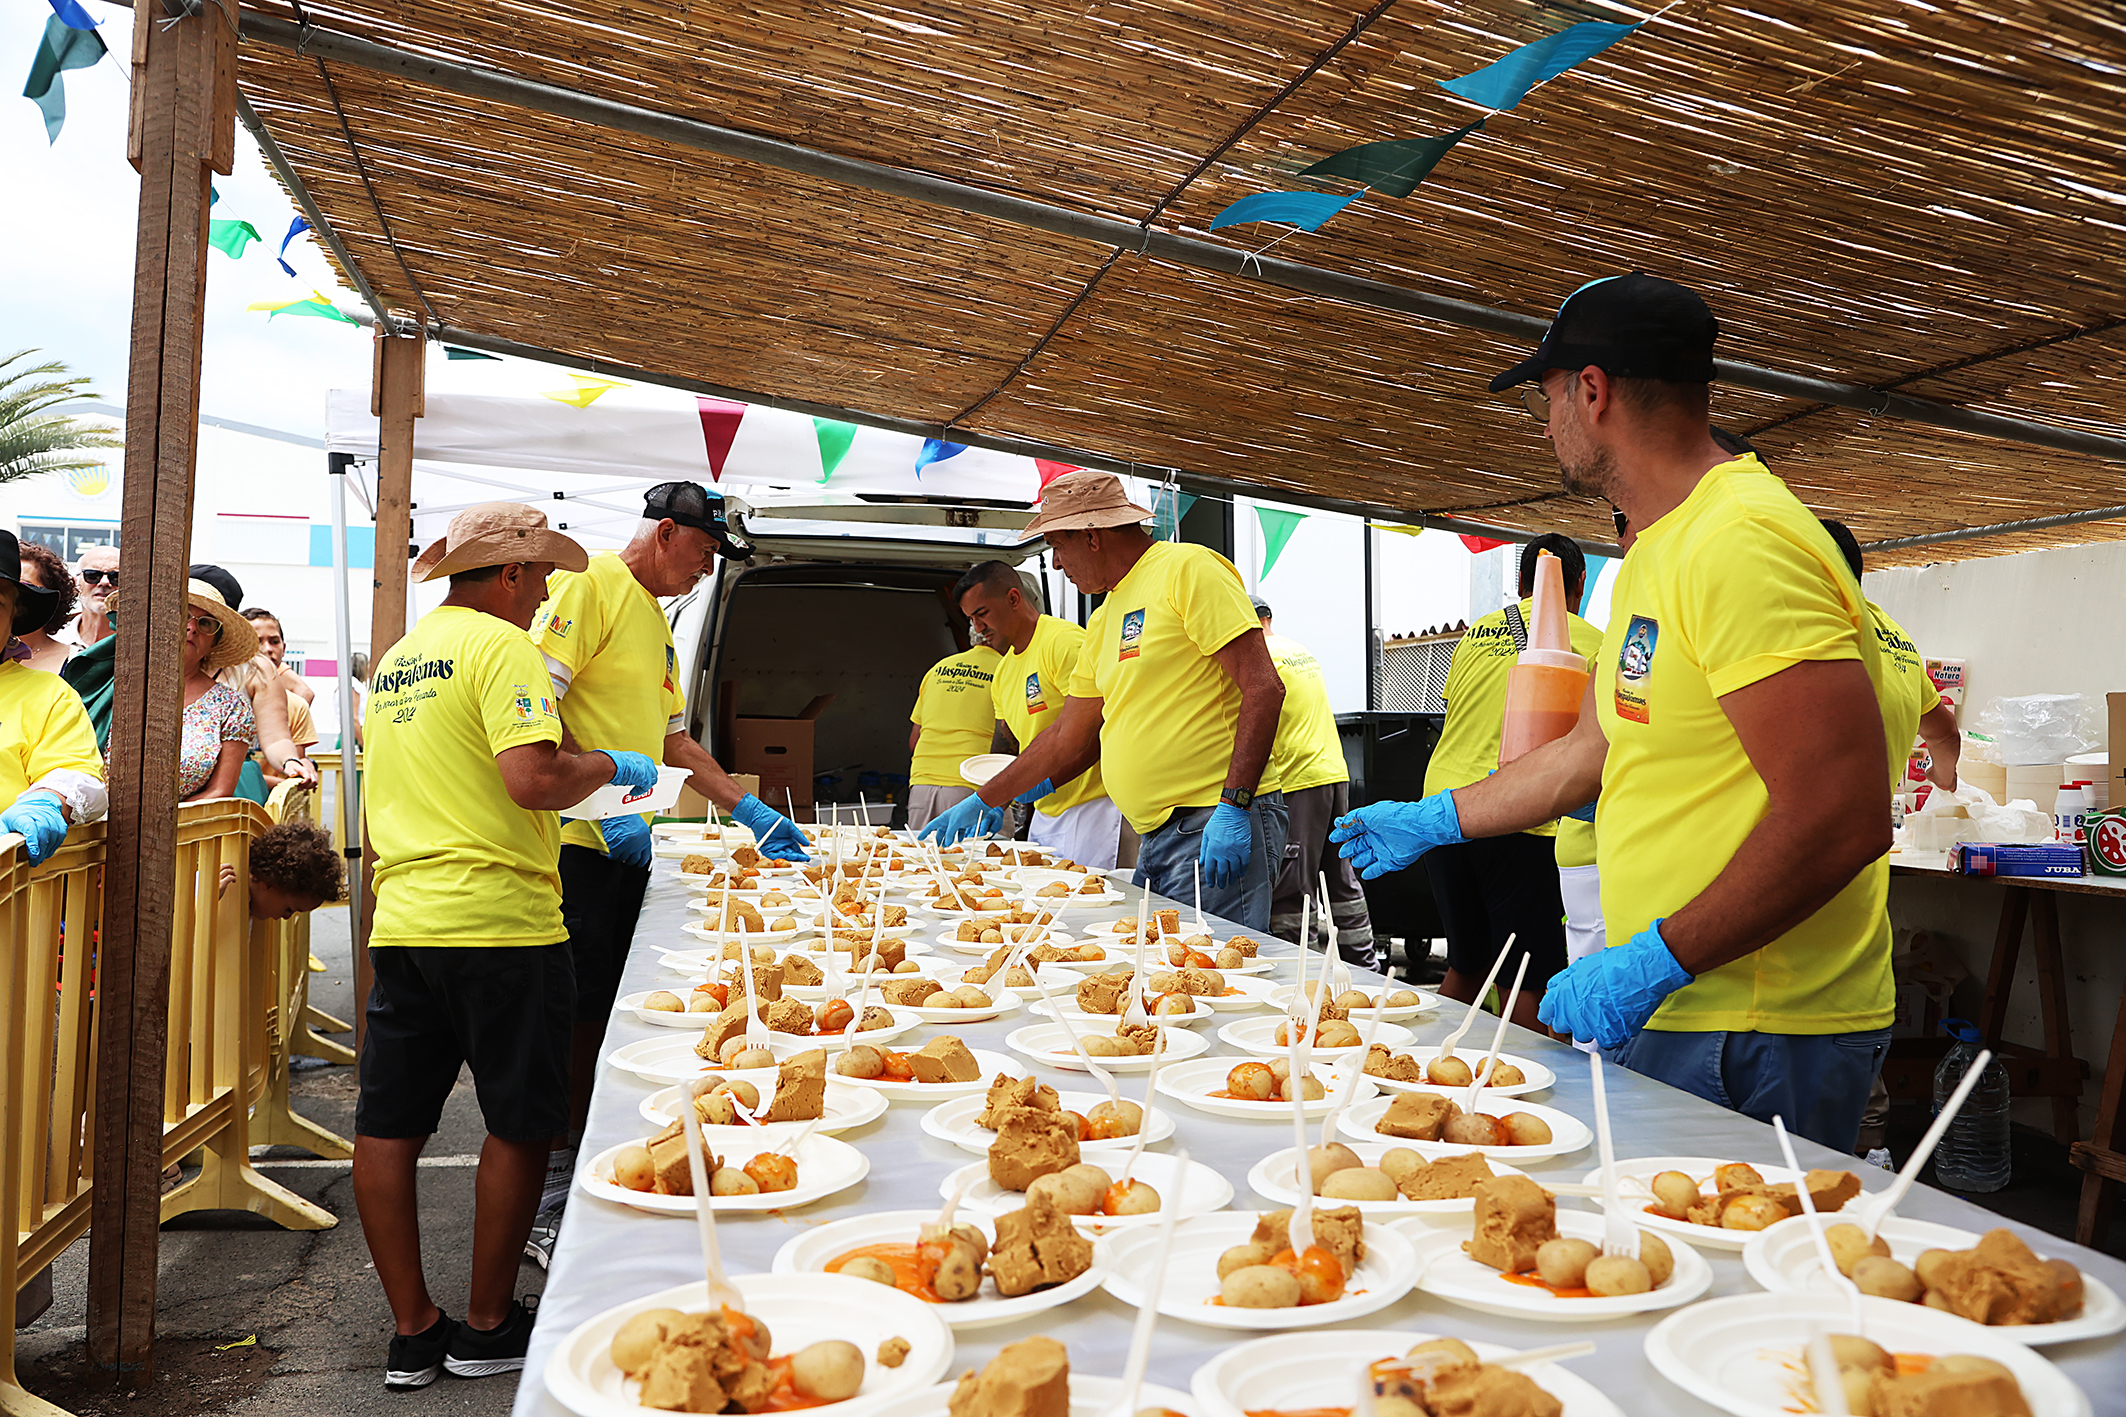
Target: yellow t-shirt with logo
1307	752
1733	586
954	711
458	861
1908	692
1028	693
1169	710
1475	692
43	728
623	689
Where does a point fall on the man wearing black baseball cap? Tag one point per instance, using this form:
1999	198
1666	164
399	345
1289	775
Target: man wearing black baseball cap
609	652
1734	729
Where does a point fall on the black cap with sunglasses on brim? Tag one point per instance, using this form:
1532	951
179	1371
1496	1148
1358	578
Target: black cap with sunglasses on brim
691	504
1633	326
33	603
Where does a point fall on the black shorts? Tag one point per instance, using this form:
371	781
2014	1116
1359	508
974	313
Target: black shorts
600	901
1497	886
503	1009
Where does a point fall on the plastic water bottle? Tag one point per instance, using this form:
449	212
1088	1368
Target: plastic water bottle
1973	1155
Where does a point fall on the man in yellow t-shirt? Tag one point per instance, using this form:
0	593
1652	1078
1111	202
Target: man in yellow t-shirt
950	723
1736	741
1912	708
1308	759
51	772
1077	820
1493	887
464	774
1175	697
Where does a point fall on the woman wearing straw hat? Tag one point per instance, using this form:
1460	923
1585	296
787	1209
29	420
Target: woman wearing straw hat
219	730
51	773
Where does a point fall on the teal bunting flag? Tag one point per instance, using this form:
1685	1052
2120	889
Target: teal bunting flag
230	237
1503	84
452	351
834	440
1394	168
62	48
1169	506
1305	210
1277	528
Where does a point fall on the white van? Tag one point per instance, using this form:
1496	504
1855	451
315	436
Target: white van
848	595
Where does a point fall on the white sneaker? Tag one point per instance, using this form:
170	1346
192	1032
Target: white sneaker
1880	1156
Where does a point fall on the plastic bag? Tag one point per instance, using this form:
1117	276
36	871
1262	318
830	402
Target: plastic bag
1971	814
2042	728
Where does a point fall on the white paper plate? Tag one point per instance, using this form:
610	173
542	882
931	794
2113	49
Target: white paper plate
700	885
1198	1012
1200	1189
1006	1000
1244	995
945	940
1089	1397
1711	1237
1783	1259
664	1018
665	1061
1192	1083
751	937
954	1122
725	833
843	1108
1382	1277
1295	1371
811	1252
820	926
1049	1044
799	1309
1742	1354
1272	1178
825	1167
989	1064
1074	901
1539	1078
1568	1133
977	770
1402	1013
1258	1036
1445	1272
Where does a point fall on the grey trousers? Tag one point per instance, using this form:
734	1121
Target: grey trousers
1308	853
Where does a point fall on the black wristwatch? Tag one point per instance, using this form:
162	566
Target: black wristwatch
1240	797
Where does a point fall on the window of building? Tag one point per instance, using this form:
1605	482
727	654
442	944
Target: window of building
67	540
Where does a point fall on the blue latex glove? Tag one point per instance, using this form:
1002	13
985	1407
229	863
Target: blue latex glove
627	839
637	770
1609	995
37	817
970	816
777	834
1226	839
1035	793
1388	836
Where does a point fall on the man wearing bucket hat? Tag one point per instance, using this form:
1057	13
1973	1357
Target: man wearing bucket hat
465	771
1174	696
51	773
609	655
1733	728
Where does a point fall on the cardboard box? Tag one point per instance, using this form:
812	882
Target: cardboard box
779	752
1987	858
2116	703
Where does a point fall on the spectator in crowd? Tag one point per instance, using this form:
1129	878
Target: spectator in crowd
257	679
42	568
295	868
51	774
273	644
273	649
218	728
95	582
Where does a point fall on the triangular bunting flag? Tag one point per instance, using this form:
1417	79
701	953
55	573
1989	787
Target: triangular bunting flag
318	305
1049	471
72	15
451	351
1503	84
1394	168
719	425
587	390
1169	506
1305	210
230	237
834	440
936	450
1277	528
63	47
297	228
1479	544
1399	530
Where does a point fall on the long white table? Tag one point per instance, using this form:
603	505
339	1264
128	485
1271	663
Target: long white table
608	1254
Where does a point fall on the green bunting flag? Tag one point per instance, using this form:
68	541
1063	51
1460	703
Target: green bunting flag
834	440
451	351
230	237
62	48
1277	528
1394	168
318	306
1169	506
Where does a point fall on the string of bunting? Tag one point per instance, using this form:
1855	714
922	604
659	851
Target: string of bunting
1395	168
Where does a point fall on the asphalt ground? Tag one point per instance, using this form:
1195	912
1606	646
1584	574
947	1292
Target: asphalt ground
302	1308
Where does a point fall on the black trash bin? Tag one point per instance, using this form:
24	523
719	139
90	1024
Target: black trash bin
1387	754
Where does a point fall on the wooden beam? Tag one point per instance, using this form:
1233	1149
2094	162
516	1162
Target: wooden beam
180	132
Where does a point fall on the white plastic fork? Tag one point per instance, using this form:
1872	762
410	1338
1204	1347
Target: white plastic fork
1134	1013
1349	1089
1815	1222
1333	955
1619	1235
1498	1036
1140	1337
1077	1044
1446	1047
721	1291
1869	1212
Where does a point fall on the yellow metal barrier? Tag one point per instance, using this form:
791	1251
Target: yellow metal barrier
285	946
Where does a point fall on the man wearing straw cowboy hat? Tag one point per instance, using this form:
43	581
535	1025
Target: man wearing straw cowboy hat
1734	728
465	771
1175	697
51	773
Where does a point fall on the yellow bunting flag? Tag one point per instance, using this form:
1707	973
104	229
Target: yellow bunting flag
586	391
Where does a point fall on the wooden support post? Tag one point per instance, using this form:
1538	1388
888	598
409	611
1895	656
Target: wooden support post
396	398
2052	1007
182	130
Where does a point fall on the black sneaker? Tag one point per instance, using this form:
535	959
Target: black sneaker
476	1353
539	1244
416	1361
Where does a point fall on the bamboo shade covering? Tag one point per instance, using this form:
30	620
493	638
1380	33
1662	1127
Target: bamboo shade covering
1924	197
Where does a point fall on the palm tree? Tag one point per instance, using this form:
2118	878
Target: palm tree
33	439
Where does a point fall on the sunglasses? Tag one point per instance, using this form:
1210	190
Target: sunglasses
1619	520
206	625
1536	402
99	577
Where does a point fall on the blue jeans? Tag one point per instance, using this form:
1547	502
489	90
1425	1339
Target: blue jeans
1818	1083
1167	861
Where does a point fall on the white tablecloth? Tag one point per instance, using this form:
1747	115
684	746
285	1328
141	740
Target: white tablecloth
609	1254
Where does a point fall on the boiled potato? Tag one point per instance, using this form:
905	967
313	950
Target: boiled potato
1849	1244
1402	999
1092	1183
640	1336
1736	1176
1970	1363
828	1371
1452	1351
1526	1129
632	1168
1353	999
1675	1193
753	1058
1323	1161
727	1053
1885	1278
1400	1163
941	1000
1338	1033
1659	1260
1061	1193
1133	1198
1505	1075
1260	1286
702	1003
773	1172
1563	1262
1449	1071
1116	1119
971	997
1474	1129
1280	1068
908	966
861	1061
1928	1266
1850	1351
866	1267
1310	1089
716	1109
1101	1045
2069	1280
971	1238
1752	1213
665	1001
1230	958
732	1181
742	1092
1612	1275
1243	1256
1359	1183
1253	1081
959	1275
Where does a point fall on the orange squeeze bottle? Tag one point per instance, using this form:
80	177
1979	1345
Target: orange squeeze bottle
1544	688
